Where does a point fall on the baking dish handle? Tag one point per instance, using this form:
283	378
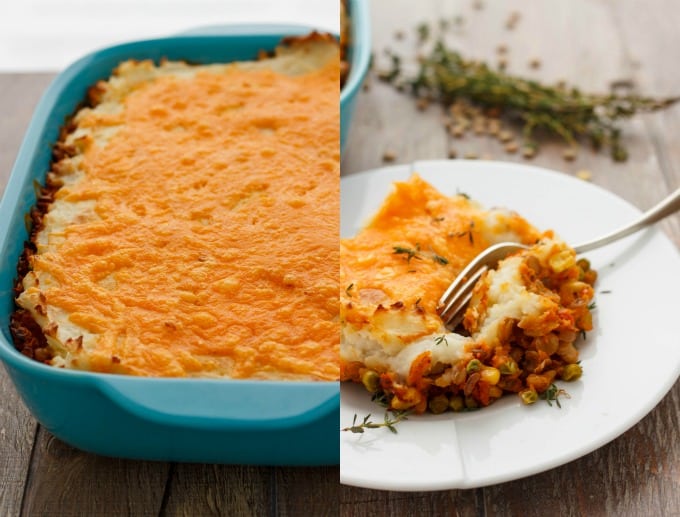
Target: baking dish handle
224	404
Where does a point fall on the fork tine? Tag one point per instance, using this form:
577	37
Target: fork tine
457	296
450	307
467	271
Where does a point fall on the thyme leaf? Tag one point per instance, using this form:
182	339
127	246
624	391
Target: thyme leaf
439	259
553	394
409	252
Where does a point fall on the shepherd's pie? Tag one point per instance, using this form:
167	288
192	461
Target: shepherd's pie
189	223
518	333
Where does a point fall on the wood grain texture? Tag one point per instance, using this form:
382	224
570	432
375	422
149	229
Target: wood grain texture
195	489
361	502
245	491
18	96
64	481
306	491
588	43
17	432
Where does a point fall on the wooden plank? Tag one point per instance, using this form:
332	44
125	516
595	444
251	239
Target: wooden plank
65	481
17	432
361	502
18	96
307	491
195	489
647	34
242	490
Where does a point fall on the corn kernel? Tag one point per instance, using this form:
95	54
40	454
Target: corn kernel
371	380
490	375
562	261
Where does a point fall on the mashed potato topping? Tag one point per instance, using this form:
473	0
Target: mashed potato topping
517	333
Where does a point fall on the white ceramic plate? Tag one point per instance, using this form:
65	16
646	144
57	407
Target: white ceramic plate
630	360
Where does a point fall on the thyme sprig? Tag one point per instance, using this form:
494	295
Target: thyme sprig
566	112
388	422
553	394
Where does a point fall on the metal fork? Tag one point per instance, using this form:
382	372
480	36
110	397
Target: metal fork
455	299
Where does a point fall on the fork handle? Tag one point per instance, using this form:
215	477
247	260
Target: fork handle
664	208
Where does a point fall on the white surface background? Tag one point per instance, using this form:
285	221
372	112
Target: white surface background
47	35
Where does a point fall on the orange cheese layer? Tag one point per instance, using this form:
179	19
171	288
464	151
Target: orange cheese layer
413	217
216	249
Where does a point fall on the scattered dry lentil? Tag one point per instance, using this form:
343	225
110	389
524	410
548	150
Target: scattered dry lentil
512	20
569	154
458	130
584	175
511	147
494	126
506	136
389	155
422	103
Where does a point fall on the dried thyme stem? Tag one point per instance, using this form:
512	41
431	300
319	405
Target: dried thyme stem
444	75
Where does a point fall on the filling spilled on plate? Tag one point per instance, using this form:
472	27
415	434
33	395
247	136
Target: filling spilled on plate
189	225
518	333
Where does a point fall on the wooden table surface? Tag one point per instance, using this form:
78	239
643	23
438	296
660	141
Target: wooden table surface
589	43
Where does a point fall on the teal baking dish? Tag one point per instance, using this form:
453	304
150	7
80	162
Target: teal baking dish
359	60
196	420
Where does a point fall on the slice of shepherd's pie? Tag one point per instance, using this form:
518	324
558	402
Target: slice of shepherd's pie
189	224
518	332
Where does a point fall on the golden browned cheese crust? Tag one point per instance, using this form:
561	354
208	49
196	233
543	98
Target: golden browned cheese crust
183	221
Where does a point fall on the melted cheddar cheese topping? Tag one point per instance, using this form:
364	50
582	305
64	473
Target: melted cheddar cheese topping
196	231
